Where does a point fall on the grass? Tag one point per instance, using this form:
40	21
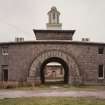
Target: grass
62	87
53	101
56	100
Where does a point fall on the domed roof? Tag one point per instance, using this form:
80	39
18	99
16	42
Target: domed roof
53	8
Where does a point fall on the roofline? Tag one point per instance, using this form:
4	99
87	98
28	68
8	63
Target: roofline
54	31
53	42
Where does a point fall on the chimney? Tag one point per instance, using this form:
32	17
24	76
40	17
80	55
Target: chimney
85	39
19	39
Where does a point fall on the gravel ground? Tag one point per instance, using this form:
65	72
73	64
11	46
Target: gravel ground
46	93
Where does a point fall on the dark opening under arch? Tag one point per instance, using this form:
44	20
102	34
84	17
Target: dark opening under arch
55	59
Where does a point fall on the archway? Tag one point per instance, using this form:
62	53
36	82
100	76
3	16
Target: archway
57	60
66	59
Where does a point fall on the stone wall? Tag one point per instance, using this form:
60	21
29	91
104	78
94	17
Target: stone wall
22	55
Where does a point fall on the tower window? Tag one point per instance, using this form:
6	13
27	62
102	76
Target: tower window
4	51
53	15
100	50
100	72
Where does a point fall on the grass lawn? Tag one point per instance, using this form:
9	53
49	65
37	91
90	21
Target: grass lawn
62	87
52	101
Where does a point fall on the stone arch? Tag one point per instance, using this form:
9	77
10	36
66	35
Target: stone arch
34	72
58	60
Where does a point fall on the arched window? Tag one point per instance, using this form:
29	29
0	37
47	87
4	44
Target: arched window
54	16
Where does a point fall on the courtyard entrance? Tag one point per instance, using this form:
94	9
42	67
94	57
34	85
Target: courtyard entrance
65	71
54	71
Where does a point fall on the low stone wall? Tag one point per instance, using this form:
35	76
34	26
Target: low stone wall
12	84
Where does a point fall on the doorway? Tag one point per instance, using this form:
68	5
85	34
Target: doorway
54	71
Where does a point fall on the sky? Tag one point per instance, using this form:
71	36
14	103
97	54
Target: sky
19	17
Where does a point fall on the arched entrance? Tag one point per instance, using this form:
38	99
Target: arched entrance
60	61
72	75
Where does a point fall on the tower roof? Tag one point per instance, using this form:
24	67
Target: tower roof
54	9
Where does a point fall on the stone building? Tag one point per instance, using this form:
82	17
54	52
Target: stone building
54	72
24	62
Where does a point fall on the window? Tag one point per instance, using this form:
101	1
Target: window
5	72
101	72
5	51
5	75
101	50
54	16
61	70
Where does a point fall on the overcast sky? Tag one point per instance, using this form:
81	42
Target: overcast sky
19	17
